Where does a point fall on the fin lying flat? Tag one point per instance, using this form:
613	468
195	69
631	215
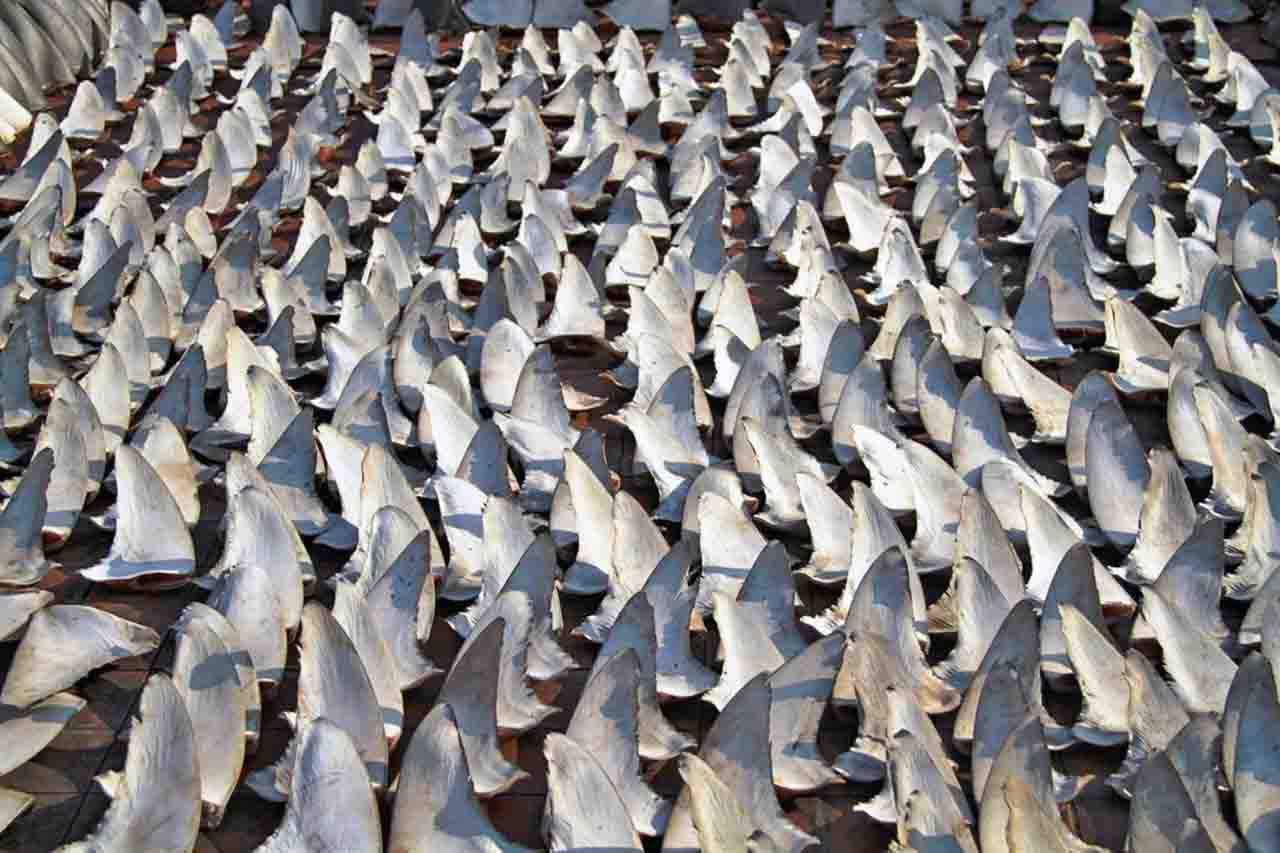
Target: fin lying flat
30	730
65	642
17	607
12	805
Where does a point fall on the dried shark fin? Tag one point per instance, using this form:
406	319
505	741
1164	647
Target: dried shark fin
1074	582
578	786
246	596
800	689
637	630
259	534
68	485
1200	669
736	750
1098	667
1117	474
152	542
470	685
156	799
1225	438
638	547
757	628
63	643
874	532
1155	717
606	724
1255	537
400	597
352	612
331	802
729	556
1162	816
1192	581
1167	516
332	685
1003	706
527	605
1017	811
505	538
980	436
831	523
882	606
1016	645
718	816
678	673
925	807
1194	757
1253	774
22	522
980	606
207	677
436	803
780	459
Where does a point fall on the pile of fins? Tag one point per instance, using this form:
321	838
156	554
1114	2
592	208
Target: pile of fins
713	409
